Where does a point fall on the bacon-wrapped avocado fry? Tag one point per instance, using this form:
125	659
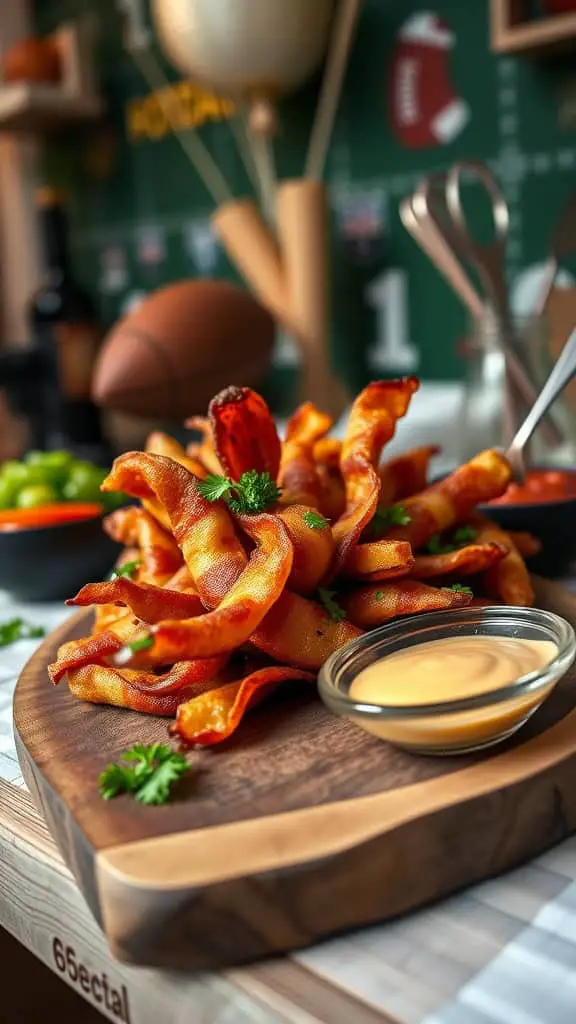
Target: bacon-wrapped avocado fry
465	561
101	684
245	435
148	603
313	546
203	530
159	443
242	609
215	715
158	553
371	424
370	606
203	450
298	477
406	474
380	560
508	580
453	499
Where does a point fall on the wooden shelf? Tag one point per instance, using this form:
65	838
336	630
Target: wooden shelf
43	108
513	32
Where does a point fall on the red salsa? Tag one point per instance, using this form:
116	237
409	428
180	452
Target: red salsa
540	485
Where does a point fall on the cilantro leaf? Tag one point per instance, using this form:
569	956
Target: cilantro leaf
459	588
18	629
253	492
126	569
314	520
148	773
326	598
385	517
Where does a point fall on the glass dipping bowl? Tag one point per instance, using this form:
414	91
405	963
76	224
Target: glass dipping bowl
456	726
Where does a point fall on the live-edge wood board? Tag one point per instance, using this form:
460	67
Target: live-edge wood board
300	827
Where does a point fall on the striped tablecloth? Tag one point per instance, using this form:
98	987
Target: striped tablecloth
501	953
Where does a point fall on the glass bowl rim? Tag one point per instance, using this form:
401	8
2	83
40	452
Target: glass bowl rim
559	629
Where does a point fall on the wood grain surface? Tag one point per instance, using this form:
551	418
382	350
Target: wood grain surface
300	827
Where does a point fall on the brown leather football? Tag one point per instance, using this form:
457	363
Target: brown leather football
180	346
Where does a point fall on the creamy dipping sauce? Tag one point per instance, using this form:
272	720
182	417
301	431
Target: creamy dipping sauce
450	669
447	670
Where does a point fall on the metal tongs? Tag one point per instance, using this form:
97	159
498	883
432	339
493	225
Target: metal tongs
562	372
435	218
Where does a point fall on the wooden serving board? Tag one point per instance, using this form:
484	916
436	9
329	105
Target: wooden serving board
299	827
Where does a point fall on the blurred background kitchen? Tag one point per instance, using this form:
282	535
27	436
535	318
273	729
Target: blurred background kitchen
106	196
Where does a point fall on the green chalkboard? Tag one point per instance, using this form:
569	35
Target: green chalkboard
422	90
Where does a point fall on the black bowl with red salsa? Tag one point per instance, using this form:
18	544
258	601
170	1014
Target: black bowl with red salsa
544	505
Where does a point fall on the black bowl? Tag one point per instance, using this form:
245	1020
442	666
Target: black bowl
51	563
552	522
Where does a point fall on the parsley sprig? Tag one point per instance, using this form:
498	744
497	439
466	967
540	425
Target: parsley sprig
385	517
459	588
253	492
18	629
334	610
314	520
145	772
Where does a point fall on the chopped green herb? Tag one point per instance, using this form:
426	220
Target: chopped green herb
126	569
18	629
459	588
463	535
314	520
326	598
253	492
385	517
148	773
436	547
379	595
141	643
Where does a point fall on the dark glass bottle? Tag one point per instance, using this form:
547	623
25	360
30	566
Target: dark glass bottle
64	326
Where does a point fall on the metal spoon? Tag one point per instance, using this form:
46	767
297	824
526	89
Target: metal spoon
562	372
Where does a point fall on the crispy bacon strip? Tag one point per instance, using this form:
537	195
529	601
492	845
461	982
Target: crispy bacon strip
215	715
313	549
371	424
297	475
245	434
159	443
466	561
244	606
405	475
380	560
372	605
203	450
525	543
90	650
204	530
452	500
149	603
508	580
327	451
299	632
333	500
161	556
203	673
100	684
